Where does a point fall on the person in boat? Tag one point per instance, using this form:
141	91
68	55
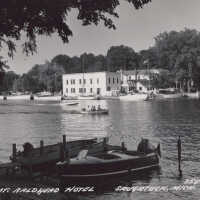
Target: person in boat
99	107
93	108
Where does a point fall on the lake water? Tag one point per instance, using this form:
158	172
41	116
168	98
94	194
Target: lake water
160	121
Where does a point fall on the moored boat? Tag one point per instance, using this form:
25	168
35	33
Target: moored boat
68	103
192	95
84	168
134	97
46	157
168	94
87	97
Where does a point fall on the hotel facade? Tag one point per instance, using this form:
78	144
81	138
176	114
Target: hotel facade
92	83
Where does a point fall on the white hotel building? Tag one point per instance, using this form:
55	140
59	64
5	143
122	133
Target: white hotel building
93	83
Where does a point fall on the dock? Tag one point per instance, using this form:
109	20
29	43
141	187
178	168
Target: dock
31	169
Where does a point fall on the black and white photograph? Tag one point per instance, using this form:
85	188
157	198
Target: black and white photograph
99	99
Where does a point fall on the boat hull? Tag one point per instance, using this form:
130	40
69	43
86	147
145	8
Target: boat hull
46	161
169	96
66	103
134	97
95	172
101	112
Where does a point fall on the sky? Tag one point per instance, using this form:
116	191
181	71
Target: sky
135	28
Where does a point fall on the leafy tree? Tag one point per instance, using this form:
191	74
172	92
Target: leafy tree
122	57
179	52
42	17
7	80
148	57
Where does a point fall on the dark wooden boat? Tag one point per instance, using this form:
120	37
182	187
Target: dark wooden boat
108	164
45	158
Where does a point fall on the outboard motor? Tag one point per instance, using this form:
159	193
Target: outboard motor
28	147
145	147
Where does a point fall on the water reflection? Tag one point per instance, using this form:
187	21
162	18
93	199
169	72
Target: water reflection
159	121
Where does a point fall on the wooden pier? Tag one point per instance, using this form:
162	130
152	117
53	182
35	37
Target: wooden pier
31	169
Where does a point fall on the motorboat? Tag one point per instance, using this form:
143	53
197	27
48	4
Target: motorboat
69	98
82	97
45	158
100	111
69	103
102	166
168	94
134	97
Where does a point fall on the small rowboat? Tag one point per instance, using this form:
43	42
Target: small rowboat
108	164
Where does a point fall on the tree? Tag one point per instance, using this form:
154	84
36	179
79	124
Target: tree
122	57
6	81
44	17
179	53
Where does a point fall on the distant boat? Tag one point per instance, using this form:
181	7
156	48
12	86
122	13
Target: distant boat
44	94
69	98
67	103
168	93
95	112
134	97
87	97
107	164
192	95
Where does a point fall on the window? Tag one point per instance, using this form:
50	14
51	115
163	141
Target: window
91	81
90	90
80	90
117	80
66	90
129	78
84	90
98	91
71	81
113	80
67	82
74	81
108	88
140	88
79	81
109	80
73	90
98	81
84	81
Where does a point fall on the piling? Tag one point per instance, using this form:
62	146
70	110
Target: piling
64	146
123	146
32	97
179	156
105	146
14	152
41	147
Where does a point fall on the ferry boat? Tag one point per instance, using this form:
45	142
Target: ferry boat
103	166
